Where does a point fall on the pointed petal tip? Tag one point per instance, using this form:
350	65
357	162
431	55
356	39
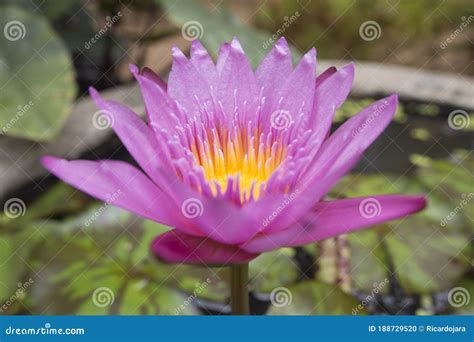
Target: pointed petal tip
393	98
133	69
281	47
95	95
421	202
235	45
49	162
93	92
349	67
178	55
310	56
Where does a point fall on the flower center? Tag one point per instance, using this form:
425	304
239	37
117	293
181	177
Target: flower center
246	158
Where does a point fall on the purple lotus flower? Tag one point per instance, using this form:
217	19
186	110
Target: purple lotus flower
237	161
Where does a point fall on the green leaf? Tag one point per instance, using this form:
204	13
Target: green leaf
273	269
312	298
36	76
15	252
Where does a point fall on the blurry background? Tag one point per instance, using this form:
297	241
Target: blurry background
62	252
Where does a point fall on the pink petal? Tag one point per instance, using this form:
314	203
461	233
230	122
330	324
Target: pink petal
345	146
272	73
338	217
188	87
237	89
177	247
119	184
332	89
162	111
221	220
296	94
137	137
153	76
338	155
325	74
203	63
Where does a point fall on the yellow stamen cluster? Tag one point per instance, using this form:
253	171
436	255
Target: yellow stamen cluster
250	157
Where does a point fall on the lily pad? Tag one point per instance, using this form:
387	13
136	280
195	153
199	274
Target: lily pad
36	76
312	298
273	269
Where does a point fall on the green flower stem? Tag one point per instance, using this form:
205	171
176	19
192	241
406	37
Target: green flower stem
239	278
